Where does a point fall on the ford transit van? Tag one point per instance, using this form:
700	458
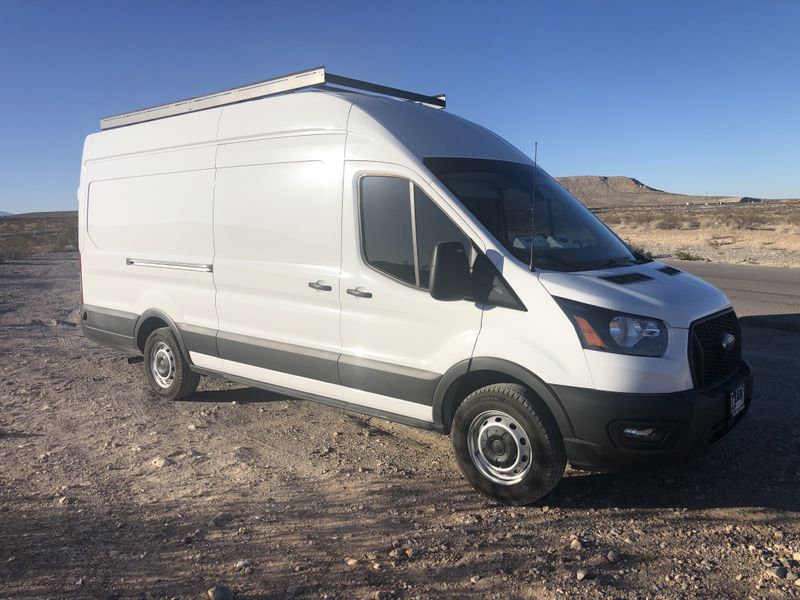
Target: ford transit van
357	245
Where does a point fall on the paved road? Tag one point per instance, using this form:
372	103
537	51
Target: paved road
766	296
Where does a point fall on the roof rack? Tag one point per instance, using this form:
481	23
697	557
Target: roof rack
270	87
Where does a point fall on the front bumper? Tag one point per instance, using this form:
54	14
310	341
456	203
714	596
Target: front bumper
692	421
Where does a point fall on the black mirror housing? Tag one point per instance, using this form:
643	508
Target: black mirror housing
450	277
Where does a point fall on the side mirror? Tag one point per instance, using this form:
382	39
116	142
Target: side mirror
450	277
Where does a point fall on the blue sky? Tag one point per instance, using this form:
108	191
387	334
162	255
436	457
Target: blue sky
691	97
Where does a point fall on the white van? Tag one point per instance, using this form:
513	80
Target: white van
371	251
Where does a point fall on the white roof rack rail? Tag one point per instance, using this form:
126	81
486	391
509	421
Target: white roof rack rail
269	87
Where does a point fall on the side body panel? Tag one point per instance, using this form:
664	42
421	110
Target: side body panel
541	339
147	211
277	223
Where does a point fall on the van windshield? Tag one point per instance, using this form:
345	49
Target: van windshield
566	236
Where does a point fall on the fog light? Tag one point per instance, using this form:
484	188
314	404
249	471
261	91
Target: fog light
635	433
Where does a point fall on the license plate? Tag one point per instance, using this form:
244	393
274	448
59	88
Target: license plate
737	401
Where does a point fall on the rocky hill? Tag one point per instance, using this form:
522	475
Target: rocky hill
598	192
53	214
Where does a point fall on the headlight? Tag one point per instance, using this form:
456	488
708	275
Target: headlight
612	331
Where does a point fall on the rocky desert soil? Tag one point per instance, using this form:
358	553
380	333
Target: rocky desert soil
765	233
108	492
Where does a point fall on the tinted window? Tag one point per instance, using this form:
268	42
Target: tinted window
433	226
386	226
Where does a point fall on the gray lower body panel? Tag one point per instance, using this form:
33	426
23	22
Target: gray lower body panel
276	356
109	327
347	406
118	329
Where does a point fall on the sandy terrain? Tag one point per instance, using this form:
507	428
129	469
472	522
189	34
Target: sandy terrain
108	492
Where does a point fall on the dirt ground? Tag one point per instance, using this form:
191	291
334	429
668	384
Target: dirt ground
765	233
108	492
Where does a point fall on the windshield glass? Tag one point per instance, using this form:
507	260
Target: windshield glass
566	235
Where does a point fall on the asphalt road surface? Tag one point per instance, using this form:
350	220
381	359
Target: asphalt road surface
769	296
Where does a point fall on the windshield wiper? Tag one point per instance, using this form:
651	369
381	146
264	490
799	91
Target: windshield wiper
560	261
615	262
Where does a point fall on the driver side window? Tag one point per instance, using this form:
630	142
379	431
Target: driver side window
400	226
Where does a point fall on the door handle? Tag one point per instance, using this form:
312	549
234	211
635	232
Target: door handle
359	293
320	286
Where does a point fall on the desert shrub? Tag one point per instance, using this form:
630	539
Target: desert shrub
793	219
749	220
16	246
691	224
641	250
640	217
686	255
65	240
610	218
669	222
19	238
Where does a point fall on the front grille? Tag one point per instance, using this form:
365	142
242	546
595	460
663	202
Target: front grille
711	363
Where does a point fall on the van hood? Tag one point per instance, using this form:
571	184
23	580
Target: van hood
651	290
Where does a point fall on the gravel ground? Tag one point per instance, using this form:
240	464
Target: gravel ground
108	492
757	247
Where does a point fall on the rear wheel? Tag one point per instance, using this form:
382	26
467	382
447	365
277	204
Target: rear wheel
508	444
167	372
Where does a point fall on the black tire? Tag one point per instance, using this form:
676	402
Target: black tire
175	379
525	435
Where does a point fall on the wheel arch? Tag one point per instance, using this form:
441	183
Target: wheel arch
153	319
469	375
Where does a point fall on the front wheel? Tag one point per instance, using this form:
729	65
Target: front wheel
508	444
167	372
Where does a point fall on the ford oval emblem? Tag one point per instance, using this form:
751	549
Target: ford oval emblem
728	341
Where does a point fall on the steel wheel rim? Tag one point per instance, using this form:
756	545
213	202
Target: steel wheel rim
162	365
499	447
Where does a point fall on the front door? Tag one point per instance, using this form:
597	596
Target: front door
397	341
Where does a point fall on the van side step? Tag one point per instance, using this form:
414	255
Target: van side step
261	89
340	404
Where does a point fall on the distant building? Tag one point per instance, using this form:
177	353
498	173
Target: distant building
749	200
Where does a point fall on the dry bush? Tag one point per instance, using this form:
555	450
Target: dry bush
669	222
641	250
750	220
65	241
637	218
686	255
691	224
610	218
16	246
793	219
24	237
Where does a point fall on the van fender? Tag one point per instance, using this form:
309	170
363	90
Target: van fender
444	395
160	314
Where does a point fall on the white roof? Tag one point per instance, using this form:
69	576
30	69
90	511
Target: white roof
422	131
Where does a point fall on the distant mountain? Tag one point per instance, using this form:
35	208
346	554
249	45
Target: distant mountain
596	191
55	214
4	214
602	192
